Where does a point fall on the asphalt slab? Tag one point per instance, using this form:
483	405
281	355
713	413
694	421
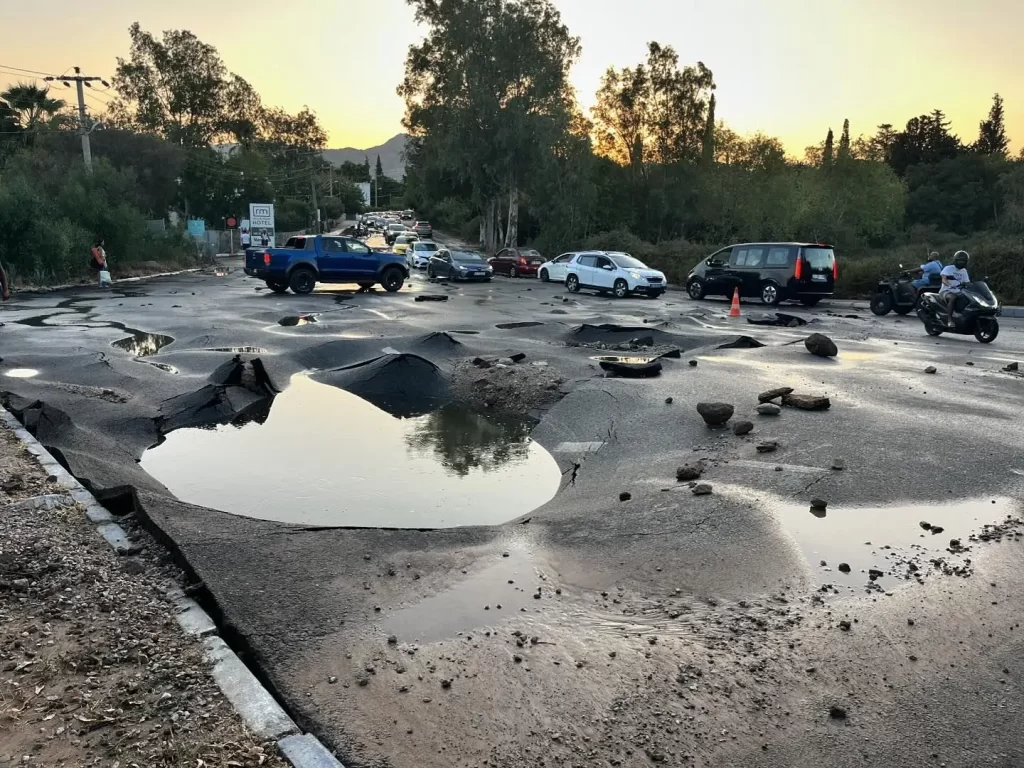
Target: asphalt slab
630	620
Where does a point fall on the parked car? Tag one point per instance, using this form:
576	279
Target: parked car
407	215
771	272
459	265
423	229
306	260
420	252
556	269
392	230
618	273
402	243
515	262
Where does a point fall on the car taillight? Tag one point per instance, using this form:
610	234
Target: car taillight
266	259
835	269
522	259
798	273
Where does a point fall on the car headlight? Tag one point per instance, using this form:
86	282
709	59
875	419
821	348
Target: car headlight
635	275
489	268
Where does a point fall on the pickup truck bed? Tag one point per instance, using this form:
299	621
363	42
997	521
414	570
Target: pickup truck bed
306	260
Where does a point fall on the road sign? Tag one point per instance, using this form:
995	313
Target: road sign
231	222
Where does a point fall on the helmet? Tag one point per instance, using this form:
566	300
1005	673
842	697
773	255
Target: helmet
961	259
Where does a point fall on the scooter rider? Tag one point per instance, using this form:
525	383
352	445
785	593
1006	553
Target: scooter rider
954	276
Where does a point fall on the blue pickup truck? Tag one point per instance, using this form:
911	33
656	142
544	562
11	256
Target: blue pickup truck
306	260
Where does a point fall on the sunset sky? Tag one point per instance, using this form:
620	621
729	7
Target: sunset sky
790	68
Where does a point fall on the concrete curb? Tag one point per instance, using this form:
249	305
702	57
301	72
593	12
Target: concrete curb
258	709
66	286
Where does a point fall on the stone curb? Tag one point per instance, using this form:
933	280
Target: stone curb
258	709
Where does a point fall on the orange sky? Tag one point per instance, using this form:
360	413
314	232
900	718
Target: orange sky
791	68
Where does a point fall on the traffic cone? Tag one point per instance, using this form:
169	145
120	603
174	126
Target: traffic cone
734	310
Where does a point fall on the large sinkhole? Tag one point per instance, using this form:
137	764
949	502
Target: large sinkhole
324	456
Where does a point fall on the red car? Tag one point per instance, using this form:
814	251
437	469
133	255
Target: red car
516	261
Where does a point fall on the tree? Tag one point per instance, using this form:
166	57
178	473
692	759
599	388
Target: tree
926	139
176	87
843	155
487	93
654	112
828	155
992	132
379	171
708	143
878	148
29	109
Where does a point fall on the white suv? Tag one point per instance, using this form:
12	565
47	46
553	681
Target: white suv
614	272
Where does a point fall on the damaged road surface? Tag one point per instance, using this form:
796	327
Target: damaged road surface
445	536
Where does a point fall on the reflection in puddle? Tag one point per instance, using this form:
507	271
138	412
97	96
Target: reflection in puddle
163	367
297	320
327	457
620	359
881	537
21	373
237	350
141	344
483	599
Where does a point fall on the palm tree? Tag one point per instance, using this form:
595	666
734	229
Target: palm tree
32	105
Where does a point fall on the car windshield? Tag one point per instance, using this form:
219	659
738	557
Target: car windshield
403	239
626	261
466	257
819	258
425	246
397	227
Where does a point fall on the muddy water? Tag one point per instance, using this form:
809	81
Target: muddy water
326	457
884	537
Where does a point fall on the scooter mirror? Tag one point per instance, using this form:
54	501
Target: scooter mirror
901	266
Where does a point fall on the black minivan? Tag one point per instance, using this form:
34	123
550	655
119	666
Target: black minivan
771	272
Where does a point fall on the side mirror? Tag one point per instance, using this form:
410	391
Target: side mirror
608	267
901	266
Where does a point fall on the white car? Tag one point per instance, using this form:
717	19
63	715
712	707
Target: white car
556	269
419	253
613	272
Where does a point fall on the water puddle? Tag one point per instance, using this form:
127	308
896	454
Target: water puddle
512	326
326	457
21	373
237	350
142	344
639	360
163	367
494	592
297	320
892	540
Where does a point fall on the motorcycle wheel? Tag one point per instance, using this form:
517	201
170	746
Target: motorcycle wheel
881	304
901	311
986	330
932	330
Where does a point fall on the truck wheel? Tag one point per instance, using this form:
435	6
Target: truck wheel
277	286
302	280
392	279
365	286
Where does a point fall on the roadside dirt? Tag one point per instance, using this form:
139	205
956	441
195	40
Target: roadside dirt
504	386
94	669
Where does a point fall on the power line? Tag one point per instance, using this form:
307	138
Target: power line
32	71
84	128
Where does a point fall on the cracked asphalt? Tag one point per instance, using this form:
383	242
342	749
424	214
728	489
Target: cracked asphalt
669	628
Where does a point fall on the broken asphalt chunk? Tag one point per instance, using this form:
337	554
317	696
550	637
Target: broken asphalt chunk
715	414
807	402
821	345
773	394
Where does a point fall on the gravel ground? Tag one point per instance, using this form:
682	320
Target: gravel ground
94	669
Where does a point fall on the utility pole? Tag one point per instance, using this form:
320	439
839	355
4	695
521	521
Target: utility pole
312	187
83	122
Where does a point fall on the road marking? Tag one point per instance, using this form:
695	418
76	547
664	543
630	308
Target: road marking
579	447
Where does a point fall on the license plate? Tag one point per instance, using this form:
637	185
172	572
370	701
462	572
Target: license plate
819	278
476	274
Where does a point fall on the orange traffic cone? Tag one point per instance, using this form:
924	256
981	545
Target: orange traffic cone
734	310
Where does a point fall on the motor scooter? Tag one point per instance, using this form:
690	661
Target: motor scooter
898	294
974	312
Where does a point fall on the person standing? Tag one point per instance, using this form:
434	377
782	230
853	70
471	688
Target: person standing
5	287
99	263
246	238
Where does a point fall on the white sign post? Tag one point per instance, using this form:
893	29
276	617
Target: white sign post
261	224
